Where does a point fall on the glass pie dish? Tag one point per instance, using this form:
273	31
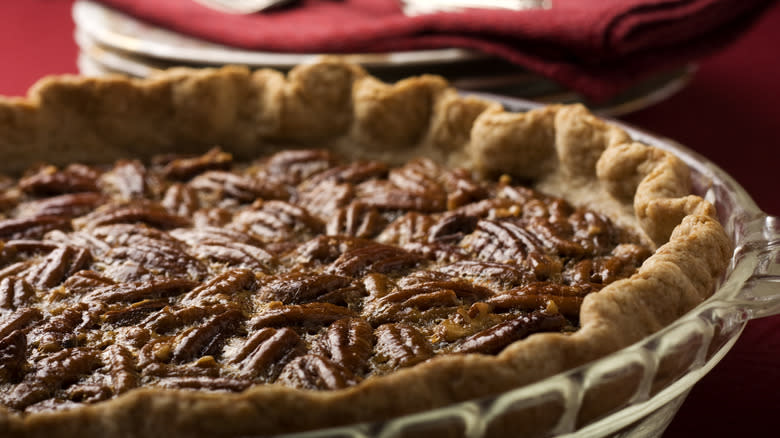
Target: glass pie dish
637	388
653	376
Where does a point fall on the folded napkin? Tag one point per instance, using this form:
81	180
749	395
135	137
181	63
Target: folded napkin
596	47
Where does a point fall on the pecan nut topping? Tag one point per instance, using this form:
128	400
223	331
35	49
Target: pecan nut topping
199	273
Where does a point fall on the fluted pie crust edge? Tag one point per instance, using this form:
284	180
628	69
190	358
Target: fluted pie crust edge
562	150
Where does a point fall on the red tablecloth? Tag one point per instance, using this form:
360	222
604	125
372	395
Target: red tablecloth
730	113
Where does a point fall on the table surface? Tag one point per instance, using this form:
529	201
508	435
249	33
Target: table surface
730	113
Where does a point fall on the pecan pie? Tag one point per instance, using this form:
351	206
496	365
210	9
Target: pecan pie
349	252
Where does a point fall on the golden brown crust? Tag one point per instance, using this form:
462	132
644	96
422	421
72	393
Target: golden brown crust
563	149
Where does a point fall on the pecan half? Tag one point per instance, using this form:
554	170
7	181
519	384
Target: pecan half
497	275
326	249
356	220
84	281
496	338
411	227
296	287
293	166
502	241
352	173
226	246
378	285
31	227
309	315
323	199
122	369
278	220
134	313
18	320
58	265
400	345
12	356
556	235
127	179
67	206
412	305
462	189
26	247
419	177
52	373
243	188
79	239
169	319
451	228
316	372
420	298
181	200
186	168
151	249
266	353
226	283
348	342
383	195
208	338
48	180
130	292
15	293
209	233
148	212
429	281
536	295
234	254
375	257
16	269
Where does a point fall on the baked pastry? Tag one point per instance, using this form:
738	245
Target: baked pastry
153	284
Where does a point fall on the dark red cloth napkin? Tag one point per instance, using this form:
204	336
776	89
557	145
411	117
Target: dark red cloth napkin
597	47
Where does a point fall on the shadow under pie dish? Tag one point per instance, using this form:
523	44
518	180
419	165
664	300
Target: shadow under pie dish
314	271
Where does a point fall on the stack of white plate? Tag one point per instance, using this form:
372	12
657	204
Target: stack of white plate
112	42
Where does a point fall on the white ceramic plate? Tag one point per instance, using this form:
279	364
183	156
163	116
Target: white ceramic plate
123	32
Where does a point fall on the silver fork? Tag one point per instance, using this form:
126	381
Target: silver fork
418	7
242	6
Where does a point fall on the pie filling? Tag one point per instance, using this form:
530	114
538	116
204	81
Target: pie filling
298	269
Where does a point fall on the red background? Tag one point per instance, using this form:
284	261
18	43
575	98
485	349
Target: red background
730	113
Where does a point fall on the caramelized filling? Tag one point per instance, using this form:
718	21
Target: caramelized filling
299	269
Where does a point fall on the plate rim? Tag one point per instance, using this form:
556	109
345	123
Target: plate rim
92	18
